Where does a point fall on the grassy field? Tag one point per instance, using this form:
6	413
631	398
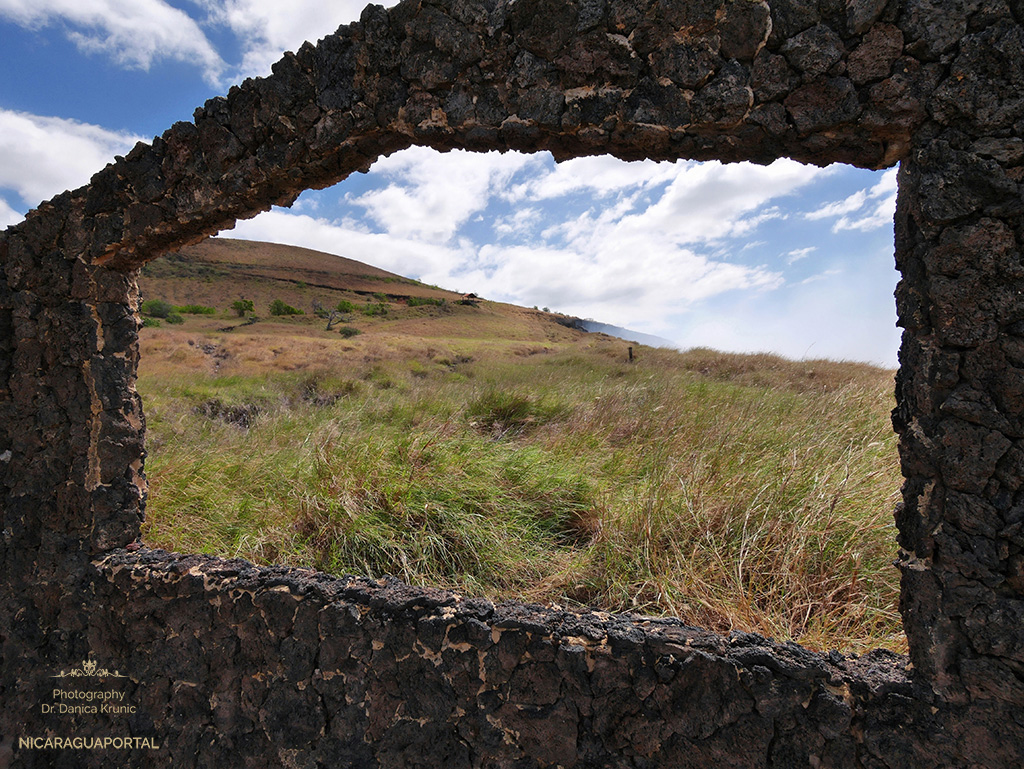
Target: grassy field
491	450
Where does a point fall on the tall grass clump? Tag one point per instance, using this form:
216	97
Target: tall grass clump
502	411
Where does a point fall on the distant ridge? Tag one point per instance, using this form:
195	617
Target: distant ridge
593	327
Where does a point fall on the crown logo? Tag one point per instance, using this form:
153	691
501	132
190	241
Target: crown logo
89	669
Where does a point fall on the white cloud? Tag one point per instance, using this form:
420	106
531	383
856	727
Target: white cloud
852	203
702	202
267	29
601	175
710	201
603	284
820	276
523	221
648	261
134	33
867	209
800	253
8	215
42	156
432	194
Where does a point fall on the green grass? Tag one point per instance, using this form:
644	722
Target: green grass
740	492
196	309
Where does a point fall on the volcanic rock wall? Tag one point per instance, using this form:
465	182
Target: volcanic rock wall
226	662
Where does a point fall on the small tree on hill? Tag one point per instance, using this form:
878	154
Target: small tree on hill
333	317
242	306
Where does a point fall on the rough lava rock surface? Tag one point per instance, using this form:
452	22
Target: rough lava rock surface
244	666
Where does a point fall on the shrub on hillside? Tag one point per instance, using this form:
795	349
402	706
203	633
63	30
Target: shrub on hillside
150	323
349	331
242	306
278	307
371	309
156	308
346	306
421	301
174	319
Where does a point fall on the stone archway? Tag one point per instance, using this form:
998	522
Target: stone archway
229	659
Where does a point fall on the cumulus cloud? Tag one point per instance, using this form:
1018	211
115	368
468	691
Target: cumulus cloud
266	30
710	201
601	175
134	33
866	209
693	202
673	251
637	289
523	221
42	156
430	195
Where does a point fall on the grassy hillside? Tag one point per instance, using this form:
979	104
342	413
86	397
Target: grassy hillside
218	271
490	449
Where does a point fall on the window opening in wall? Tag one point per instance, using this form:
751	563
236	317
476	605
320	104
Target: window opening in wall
428	408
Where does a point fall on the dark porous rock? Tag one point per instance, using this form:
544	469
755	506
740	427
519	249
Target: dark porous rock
726	100
772	77
745	29
822	105
873	59
689	63
985	86
814	51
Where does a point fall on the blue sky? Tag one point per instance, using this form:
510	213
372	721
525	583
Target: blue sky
786	258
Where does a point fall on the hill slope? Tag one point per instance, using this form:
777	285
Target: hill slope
218	271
